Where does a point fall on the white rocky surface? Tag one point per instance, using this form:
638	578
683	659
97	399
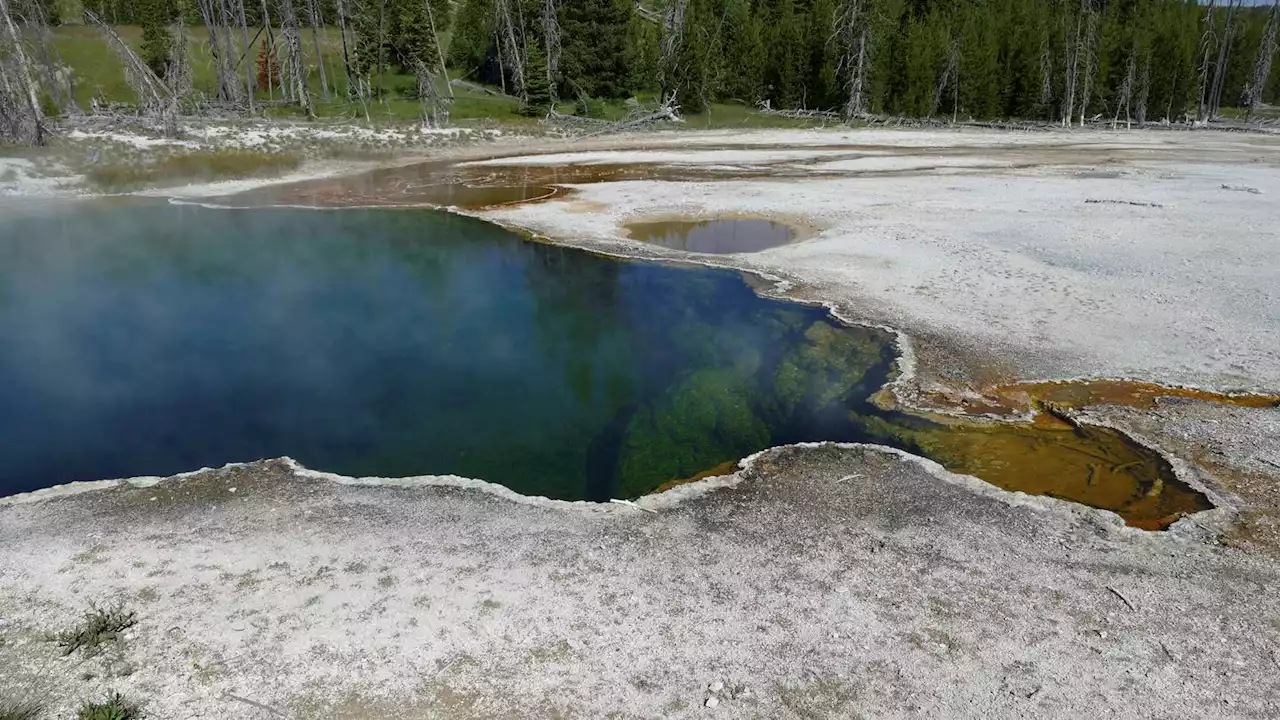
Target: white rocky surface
820	582
907	592
1015	252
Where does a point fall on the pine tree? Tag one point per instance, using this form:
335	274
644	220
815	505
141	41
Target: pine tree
642	52
472	34
593	57
743	53
154	17
537	89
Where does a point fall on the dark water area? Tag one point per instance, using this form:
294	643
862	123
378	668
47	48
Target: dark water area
720	235
142	338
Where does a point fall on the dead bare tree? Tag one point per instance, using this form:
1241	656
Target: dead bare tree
313	10
20	114
551	41
1262	64
510	46
1124	96
851	34
1208	40
1046	76
435	109
154	97
178	74
444	69
1072	68
246	53
948	76
294	70
671	44
1220	68
1089	53
1144	90
346	52
221	49
46	62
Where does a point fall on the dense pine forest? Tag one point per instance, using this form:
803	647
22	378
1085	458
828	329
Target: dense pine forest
1067	61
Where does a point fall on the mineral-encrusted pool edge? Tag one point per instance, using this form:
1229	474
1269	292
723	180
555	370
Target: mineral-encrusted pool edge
956	439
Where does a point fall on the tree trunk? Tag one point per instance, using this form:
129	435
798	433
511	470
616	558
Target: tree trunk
1207	41
314	11
1144	90
444	70
551	40
1224	55
346	52
1262	65
852	34
268	51
21	99
245	57
297	70
1090	57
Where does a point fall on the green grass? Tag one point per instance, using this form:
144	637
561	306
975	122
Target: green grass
187	167
96	628
98	74
113	707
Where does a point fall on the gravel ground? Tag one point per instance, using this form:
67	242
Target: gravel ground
828	582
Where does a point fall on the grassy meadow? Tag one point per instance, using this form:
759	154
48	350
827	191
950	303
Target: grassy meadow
98	73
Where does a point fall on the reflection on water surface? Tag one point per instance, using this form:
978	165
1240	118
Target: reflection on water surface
148	339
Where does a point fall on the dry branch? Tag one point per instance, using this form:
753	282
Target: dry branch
154	96
1108	201
1123	599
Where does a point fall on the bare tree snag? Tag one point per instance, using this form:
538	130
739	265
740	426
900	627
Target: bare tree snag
220	49
551	40
44	56
1262	64
511	47
1125	95
1090	58
154	97
244	56
294	69
947	76
671	44
444	69
19	96
1207	42
346	52
1046	77
1144	90
852	36
1220	68
178	73
313	10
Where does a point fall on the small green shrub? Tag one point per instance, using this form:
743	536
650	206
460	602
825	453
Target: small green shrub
98	627
18	710
115	707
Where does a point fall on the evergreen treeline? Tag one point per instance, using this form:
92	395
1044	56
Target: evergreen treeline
1065	60
1045	59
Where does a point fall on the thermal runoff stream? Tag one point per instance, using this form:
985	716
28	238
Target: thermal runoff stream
143	338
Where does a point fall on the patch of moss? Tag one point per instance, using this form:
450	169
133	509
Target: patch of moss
831	364
700	422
